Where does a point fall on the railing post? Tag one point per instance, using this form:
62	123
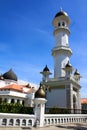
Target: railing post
39	111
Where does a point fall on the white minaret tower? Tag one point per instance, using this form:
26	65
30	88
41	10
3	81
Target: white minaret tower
61	51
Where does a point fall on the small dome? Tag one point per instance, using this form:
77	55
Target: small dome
46	68
68	65
40	92
61	13
10	75
76	72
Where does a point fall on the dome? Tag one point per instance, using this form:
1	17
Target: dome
76	72
40	92
10	75
68	65
46	68
61	13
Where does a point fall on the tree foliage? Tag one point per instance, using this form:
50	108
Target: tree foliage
56	110
15	108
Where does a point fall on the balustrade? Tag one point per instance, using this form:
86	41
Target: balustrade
16	120
50	119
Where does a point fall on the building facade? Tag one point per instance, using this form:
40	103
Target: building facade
12	91
63	90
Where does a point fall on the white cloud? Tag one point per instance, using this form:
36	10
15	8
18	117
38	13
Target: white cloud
41	31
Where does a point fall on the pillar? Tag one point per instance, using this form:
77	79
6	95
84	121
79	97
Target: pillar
78	101
39	111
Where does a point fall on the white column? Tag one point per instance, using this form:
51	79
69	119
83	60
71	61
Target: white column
78	100
20	122
15	100
20	101
39	111
0	122
71	96
7	122
27	122
9	100
14	122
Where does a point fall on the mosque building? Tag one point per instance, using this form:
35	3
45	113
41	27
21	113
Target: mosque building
63	90
12	91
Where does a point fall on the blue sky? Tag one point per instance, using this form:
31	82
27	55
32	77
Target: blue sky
26	37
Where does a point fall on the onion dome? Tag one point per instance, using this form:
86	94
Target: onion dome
61	13
46	68
76	73
10	75
68	65
40	93
46	71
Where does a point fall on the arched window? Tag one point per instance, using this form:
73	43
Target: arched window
74	103
23	102
12	101
59	24
63	24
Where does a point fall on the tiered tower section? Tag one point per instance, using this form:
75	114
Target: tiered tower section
61	51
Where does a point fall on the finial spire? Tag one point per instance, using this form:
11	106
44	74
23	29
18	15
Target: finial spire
61	9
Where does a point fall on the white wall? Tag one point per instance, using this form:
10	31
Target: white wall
61	39
57	97
59	63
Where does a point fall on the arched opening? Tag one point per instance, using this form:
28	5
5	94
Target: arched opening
11	122
24	122
59	24
48	121
63	23
45	121
4	122
5	100
23	102
55	121
30	122
74	104
17	122
12	101
18	101
52	121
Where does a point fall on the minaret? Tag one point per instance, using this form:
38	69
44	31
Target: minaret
61	51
